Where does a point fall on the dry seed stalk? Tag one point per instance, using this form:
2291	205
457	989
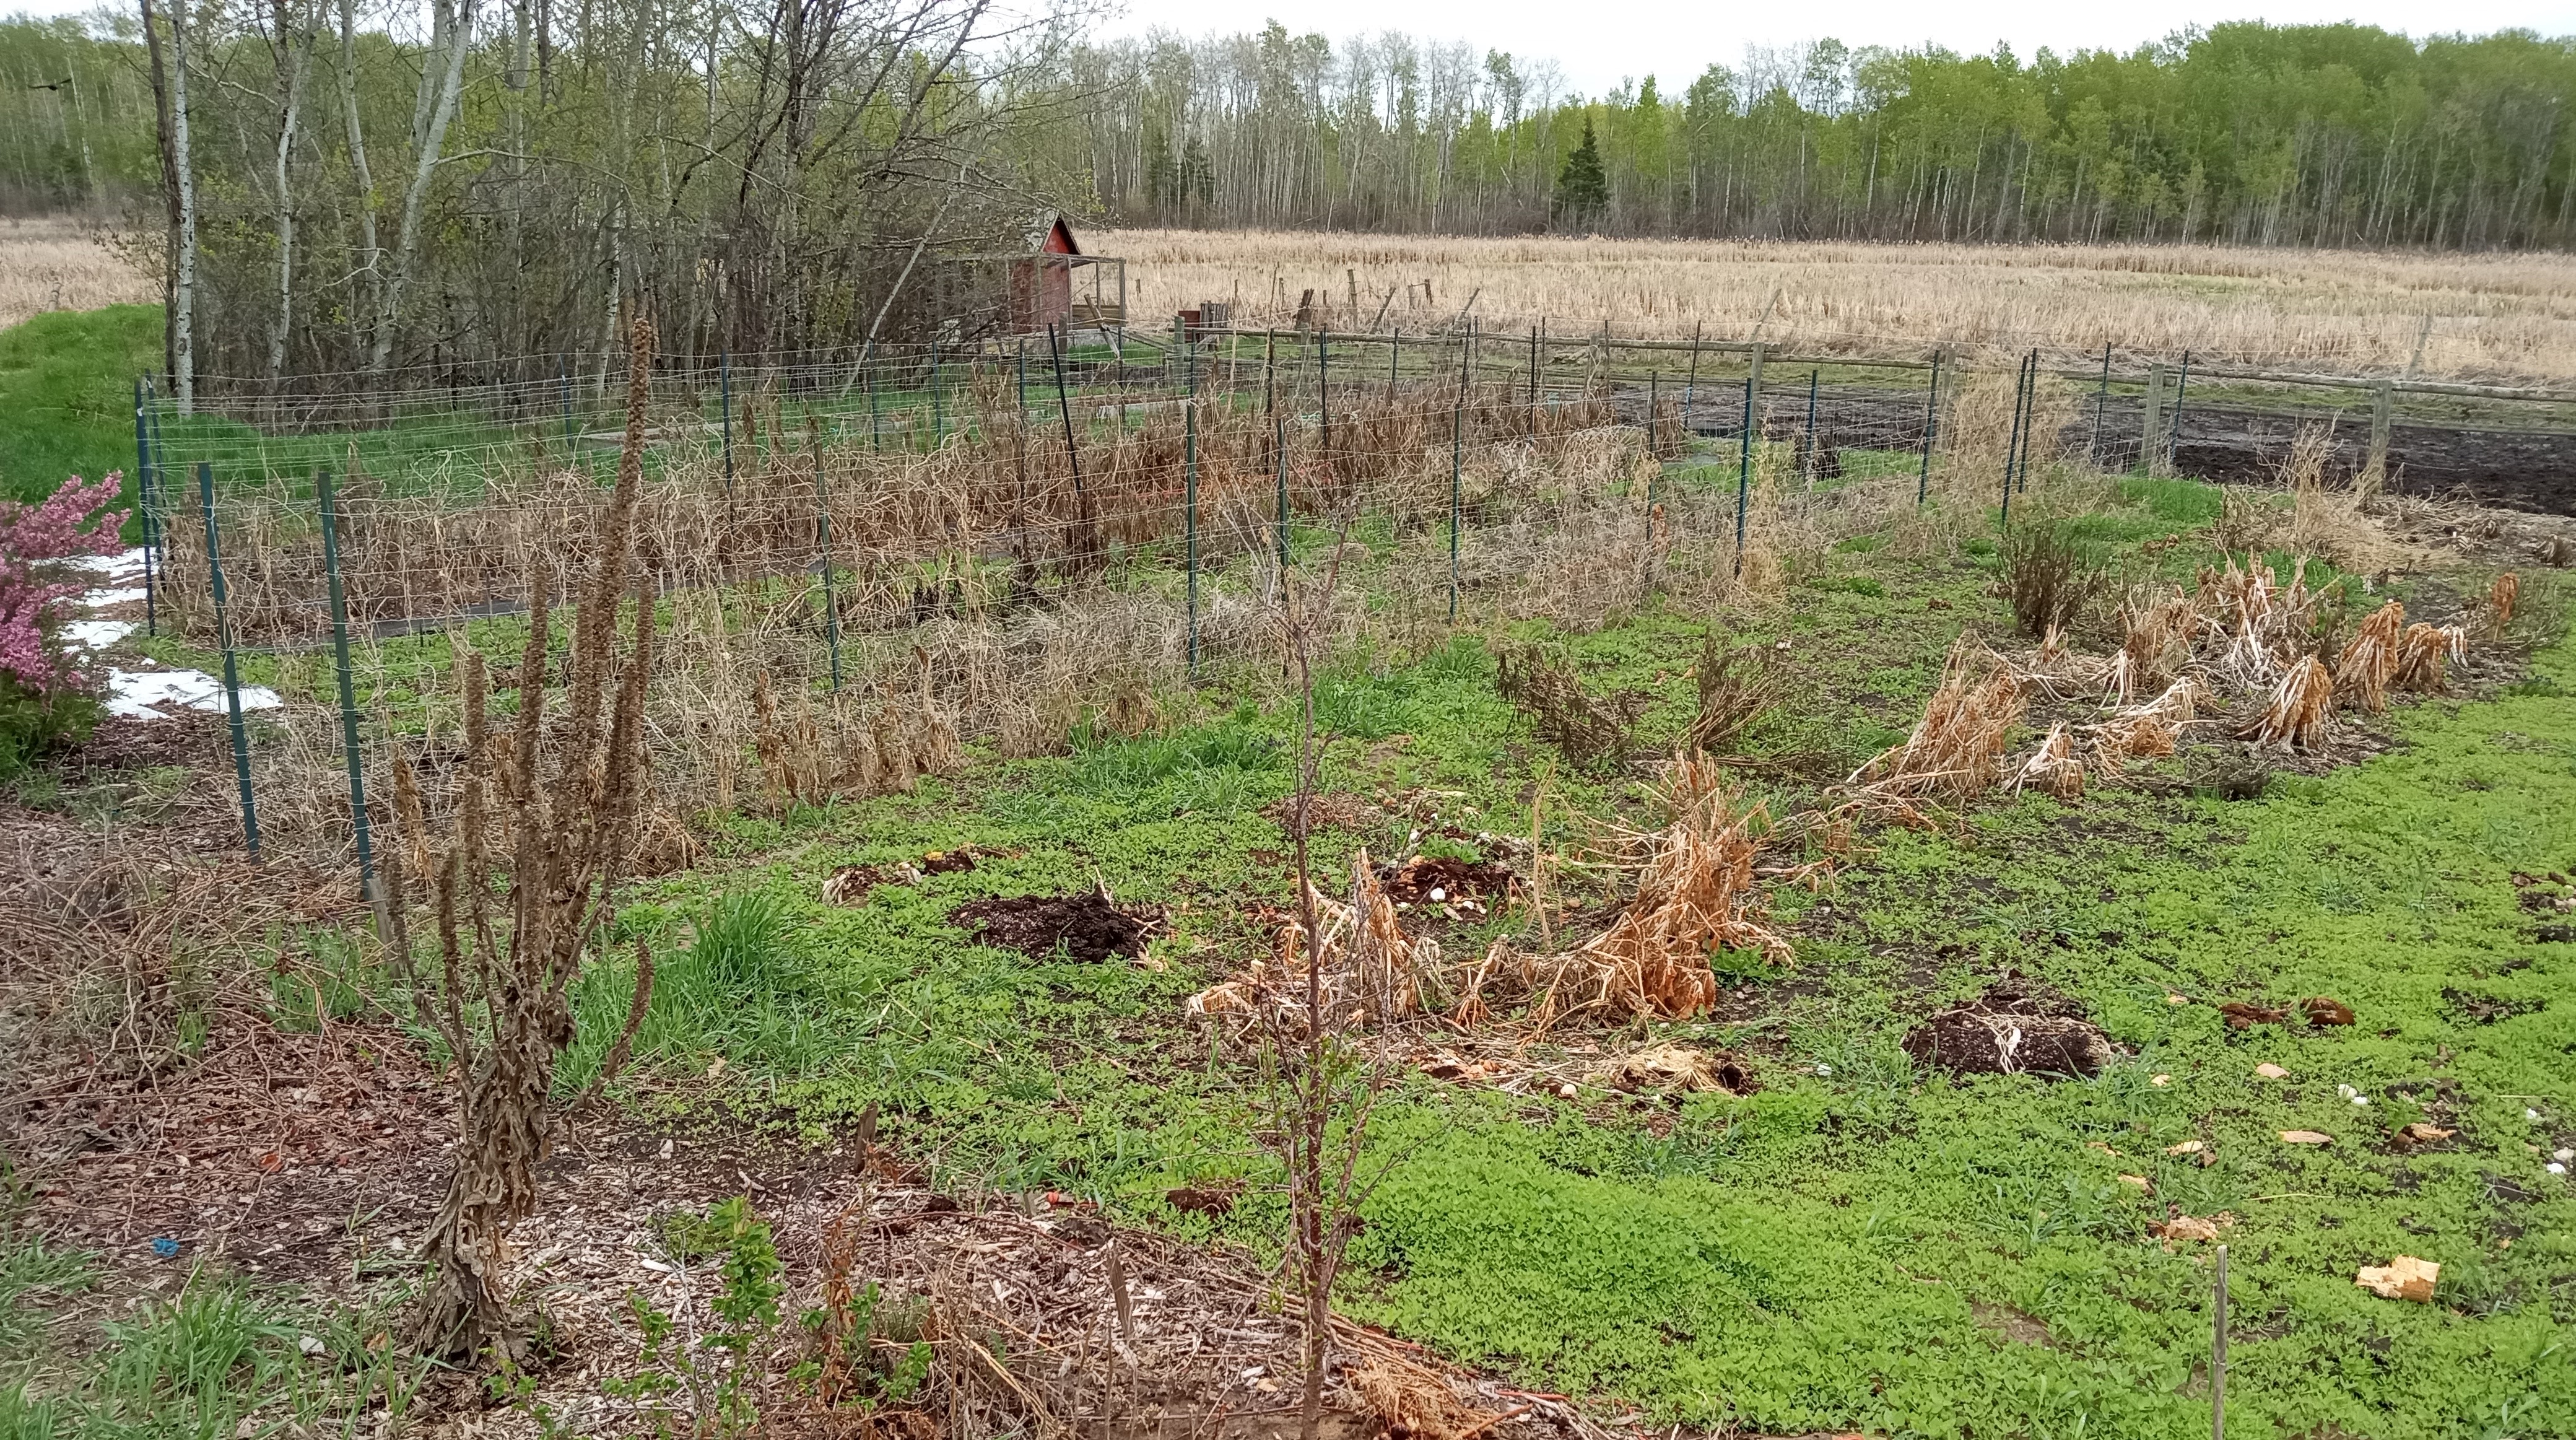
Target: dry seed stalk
572	794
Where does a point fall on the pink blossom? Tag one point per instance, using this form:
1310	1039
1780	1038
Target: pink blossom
34	540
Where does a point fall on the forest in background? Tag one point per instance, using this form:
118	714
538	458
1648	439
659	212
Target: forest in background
2246	133
373	189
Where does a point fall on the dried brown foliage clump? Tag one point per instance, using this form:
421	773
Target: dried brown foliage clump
2327	520
2302	708
2497	613
1696	895
2363	672
2424	654
1956	750
1368	970
2054	767
2266	625
1590	732
544	828
2156	645
815	758
2145	731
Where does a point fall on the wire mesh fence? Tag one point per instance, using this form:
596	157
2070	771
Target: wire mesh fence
862	561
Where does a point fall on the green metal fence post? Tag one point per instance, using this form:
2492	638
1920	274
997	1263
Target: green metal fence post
1280	443
232	669
876	417
1457	455
2101	396
1743	473
724	382
1810	442
2012	441
156	556
938	402
823	539
2173	437
329	506
563	383
143	503
1324	395
1690	386
1190	496
1931	423
1532	429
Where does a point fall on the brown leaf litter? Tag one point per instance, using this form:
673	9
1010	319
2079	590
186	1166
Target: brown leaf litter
1675	1069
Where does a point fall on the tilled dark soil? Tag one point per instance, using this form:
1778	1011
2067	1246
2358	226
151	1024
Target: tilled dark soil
2525	469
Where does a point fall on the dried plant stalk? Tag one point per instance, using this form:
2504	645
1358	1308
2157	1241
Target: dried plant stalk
2369	661
2302	709
568	783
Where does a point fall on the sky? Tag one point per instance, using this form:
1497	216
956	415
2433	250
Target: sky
1596	48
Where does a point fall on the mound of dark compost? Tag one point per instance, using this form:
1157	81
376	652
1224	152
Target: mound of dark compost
1413	881
1090	927
2012	1029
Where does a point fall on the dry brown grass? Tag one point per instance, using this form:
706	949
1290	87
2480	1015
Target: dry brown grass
2499	316
1956	751
56	264
2302	709
1696	895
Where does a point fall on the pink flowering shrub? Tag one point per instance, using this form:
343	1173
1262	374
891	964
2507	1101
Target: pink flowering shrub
42	697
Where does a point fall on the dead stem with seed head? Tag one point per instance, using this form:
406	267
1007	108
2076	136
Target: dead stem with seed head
516	921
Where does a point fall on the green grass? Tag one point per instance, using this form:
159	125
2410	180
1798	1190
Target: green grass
1845	1248
67	388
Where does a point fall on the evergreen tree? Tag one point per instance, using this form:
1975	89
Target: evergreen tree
1582	188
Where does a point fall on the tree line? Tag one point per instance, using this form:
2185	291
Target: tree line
335	197
334	191
2248	133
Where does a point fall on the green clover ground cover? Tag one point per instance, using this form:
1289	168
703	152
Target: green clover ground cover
1859	1245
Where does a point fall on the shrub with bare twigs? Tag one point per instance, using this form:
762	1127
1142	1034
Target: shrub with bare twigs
1735	688
1590	732
2046	579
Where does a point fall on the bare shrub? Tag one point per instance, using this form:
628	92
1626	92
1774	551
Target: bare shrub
2047	579
1735	688
1591	733
2246	521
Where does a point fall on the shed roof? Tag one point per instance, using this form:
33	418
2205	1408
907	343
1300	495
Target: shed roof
1051	235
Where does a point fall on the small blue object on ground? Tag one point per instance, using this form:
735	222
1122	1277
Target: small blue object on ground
165	1247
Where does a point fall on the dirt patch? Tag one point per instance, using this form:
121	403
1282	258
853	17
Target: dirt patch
2012	1029
1438	879
1088	928
851	884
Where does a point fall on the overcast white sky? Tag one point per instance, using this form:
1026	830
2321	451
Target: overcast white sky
1597	43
